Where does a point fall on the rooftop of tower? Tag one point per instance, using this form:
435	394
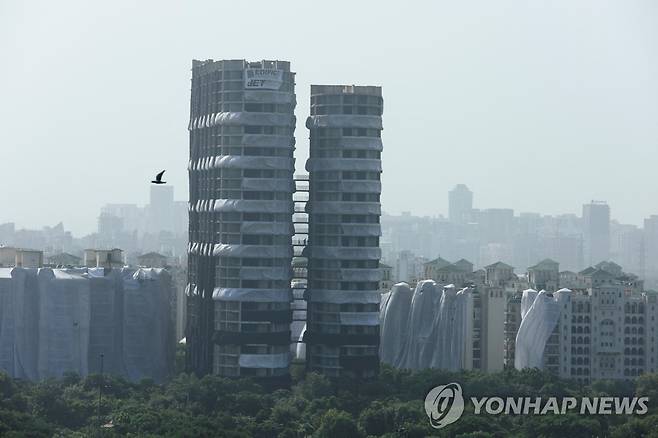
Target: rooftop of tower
371	90
237	64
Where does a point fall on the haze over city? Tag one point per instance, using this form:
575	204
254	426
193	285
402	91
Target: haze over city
329	219
539	107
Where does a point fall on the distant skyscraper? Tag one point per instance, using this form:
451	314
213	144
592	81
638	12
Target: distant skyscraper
342	335
241	182
460	204
161	209
596	232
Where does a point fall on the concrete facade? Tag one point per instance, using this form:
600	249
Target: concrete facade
241	183
342	334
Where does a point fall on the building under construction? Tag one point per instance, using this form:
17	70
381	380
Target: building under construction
241	184
342	332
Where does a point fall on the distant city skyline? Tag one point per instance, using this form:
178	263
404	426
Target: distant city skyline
534	106
441	212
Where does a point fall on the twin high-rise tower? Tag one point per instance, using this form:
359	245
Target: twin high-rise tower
342	331
241	169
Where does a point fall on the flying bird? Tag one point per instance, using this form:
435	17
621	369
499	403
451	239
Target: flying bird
158	178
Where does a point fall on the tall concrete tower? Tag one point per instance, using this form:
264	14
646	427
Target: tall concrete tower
342	334
241	183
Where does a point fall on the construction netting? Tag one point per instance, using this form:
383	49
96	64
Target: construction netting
54	321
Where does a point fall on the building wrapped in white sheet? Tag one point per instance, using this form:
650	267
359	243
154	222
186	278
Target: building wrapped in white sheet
54	321
442	327
604	331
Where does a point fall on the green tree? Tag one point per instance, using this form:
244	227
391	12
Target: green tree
647	386
336	423
377	419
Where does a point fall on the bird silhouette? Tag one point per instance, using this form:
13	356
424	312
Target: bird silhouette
158	178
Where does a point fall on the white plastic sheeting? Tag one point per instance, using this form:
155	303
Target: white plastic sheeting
344	121
257	295
251	206
58	320
419	349
427	330
265	251
527	299
536	327
64	319
394	323
6	321
106	294
242	118
298	324
252	162
300	349
147	332
19	322
451	329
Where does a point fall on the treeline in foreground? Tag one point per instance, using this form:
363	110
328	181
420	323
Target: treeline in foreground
391	406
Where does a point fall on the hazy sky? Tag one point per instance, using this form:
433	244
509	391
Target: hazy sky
536	106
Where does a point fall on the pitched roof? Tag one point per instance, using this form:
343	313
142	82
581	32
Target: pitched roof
499	265
611	267
546	263
438	261
606	264
464	265
450	268
587	271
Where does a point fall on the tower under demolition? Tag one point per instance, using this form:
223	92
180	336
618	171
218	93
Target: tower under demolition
342	334
241	183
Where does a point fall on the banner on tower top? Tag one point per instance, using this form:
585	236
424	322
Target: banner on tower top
263	78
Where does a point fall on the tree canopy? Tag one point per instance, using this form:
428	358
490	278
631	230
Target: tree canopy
314	406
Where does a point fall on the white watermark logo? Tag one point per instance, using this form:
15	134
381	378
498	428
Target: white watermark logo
445	404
